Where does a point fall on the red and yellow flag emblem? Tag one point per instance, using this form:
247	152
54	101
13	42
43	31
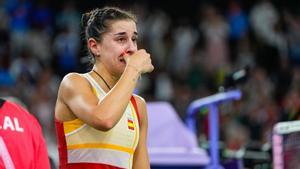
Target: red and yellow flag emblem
130	124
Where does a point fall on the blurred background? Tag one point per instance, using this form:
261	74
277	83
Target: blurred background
196	46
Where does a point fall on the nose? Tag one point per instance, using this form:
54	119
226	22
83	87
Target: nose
131	47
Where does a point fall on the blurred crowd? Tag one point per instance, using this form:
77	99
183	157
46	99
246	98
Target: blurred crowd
193	54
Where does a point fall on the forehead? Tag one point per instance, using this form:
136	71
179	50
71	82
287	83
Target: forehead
126	26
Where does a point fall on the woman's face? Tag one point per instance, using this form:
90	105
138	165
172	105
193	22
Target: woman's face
121	37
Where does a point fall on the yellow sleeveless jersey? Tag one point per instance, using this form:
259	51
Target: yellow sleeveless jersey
115	147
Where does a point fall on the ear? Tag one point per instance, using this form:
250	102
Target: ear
93	46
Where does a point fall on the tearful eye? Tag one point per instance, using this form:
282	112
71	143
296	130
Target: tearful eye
122	40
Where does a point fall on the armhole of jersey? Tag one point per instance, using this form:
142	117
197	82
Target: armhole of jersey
62	145
135	108
1	102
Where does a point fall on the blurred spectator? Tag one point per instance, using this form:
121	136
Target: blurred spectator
264	18
164	87
266	23
25	67
157	26
238	27
19	23
68	17
4	16
185	37
236	136
42	16
291	105
66	48
215	30
42	101
237	20
293	35
257	96
39	44
245	55
6	78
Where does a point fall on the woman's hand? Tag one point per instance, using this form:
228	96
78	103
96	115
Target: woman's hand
140	61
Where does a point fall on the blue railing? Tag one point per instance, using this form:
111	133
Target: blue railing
212	103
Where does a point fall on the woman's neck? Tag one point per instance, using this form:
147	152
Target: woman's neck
105	76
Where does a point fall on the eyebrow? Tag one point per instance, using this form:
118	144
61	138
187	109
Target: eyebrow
124	33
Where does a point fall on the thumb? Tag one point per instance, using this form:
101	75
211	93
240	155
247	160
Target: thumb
126	58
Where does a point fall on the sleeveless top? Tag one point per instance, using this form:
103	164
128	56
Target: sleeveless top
82	146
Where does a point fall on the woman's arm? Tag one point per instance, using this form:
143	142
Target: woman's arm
76	95
141	158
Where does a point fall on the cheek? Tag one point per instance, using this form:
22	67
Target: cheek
109	52
115	50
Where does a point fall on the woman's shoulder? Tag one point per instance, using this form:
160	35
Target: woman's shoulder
73	77
141	103
139	99
73	80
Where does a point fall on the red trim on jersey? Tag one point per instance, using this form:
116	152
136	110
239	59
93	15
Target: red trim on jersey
62	145
136	109
90	166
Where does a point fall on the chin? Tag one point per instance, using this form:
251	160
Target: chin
118	73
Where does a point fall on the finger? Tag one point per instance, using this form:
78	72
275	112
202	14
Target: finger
151	68
126	58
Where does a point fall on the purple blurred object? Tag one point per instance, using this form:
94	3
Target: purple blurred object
170	142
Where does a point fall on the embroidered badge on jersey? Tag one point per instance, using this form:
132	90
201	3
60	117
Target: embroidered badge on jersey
130	121
130	124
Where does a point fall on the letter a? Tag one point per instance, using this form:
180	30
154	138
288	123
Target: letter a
8	123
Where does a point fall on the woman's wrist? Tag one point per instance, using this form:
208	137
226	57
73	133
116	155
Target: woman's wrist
133	71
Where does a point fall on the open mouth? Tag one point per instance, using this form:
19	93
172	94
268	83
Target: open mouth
122	60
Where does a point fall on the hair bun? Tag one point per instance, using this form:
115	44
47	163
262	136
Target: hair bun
85	18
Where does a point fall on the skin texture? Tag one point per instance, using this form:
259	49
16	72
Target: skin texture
121	72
